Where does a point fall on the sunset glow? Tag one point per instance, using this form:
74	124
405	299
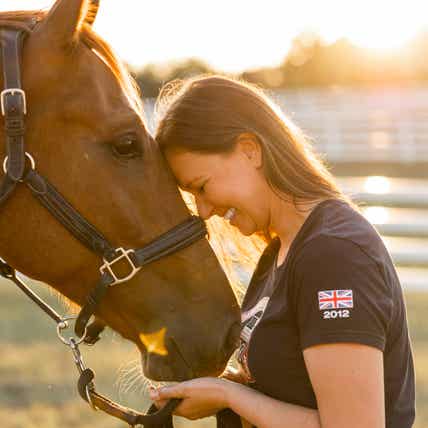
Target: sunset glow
233	36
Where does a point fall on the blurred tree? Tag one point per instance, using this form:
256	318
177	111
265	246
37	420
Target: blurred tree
312	62
152	77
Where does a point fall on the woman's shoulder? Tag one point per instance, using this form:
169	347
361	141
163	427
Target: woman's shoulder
341	247
337	218
337	230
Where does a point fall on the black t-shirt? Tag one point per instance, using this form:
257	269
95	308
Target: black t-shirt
337	284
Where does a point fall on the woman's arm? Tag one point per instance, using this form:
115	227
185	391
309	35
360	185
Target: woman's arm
206	396
347	379
265	412
348	382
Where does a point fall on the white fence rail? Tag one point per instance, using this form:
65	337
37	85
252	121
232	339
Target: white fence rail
411	258
403	230
358	124
392	200
362	124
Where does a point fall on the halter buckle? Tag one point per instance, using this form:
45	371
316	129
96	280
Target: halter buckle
27	155
123	254
12	91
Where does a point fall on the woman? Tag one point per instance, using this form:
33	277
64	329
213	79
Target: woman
324	337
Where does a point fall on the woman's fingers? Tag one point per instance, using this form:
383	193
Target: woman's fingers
160	396
201	397
154	396
175	391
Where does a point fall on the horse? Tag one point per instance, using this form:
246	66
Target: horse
85	131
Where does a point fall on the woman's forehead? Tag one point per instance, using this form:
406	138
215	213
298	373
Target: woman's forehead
190	166
192	161
186	166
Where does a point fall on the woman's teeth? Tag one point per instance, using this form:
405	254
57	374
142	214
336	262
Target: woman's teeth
230	213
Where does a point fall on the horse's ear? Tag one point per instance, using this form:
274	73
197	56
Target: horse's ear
66	17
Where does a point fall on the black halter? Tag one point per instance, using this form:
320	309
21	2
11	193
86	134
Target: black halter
14	109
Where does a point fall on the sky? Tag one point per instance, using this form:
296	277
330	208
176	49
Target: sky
234	35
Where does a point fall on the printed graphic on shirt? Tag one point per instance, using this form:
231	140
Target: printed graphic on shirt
335	299
249	321
335	303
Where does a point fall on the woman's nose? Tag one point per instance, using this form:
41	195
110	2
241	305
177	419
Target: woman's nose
205	209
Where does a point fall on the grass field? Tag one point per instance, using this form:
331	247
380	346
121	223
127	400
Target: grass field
38	376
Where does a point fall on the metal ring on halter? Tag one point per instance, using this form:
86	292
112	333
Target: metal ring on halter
32	161
62	326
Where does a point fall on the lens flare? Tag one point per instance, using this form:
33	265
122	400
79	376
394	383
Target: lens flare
155	342
376	215
377	184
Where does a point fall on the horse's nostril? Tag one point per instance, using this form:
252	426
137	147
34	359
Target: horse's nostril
232	339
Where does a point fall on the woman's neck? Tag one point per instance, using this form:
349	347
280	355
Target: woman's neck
286	219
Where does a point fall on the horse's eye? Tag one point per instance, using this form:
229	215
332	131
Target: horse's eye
127	147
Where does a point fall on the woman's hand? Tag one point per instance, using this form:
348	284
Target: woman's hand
202	397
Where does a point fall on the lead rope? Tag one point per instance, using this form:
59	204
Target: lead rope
85	385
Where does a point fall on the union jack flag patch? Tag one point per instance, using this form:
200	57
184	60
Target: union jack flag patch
335	299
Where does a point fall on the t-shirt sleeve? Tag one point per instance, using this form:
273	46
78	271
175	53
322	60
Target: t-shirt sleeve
340	295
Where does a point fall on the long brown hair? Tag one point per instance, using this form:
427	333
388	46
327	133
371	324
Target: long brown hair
206	114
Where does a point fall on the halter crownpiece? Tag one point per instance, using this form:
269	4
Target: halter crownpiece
13	105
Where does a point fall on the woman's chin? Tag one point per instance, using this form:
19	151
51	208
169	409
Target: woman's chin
244	228
246	232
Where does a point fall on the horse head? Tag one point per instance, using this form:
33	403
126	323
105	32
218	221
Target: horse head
86	131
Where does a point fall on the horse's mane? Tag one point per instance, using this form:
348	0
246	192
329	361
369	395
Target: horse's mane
100	47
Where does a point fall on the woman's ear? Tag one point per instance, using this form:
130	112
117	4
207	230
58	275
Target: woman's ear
251	148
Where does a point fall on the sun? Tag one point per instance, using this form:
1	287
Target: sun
379	25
